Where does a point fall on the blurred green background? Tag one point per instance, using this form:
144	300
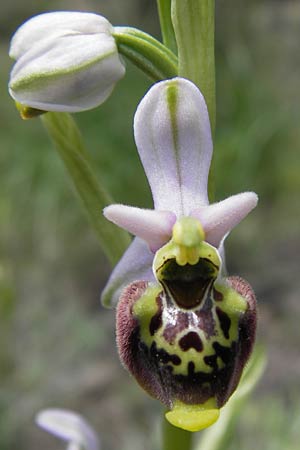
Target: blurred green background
57	342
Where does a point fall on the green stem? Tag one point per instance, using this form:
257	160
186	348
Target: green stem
194	25
166	25
175	438
146	52
68	142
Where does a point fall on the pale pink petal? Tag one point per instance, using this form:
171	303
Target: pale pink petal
220	218
173	137
70	427
154	227
135	265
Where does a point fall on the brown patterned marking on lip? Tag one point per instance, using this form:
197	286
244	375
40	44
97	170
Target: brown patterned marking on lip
225	353
156	320
171	330
224	321
218	296
163	356
206	322
126	323
191	369
191	340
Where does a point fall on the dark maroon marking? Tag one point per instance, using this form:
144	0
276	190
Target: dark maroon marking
223	352
171	329
206	321
191	369
156	320
247	322
224	321
218	296
163	356
197	387
211	361
191	340
126	323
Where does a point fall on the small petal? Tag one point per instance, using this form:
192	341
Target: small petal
70	427
71	68
154	227
135	264
173	136
220	218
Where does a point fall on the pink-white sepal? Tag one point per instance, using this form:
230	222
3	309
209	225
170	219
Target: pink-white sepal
154	227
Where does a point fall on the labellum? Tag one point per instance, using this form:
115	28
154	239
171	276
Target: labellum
187	337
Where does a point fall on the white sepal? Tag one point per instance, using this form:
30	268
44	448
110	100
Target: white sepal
173	137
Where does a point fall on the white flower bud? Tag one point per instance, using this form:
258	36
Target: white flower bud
65	61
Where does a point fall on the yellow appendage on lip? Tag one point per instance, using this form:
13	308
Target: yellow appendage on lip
193	417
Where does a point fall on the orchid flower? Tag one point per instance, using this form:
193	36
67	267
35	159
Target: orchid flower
173	137
65	61
70	427
184	330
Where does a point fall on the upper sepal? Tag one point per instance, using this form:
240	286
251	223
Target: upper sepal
173	137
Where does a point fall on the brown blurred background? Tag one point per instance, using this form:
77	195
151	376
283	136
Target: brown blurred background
57	342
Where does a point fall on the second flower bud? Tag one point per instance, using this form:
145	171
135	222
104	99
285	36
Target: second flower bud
65	61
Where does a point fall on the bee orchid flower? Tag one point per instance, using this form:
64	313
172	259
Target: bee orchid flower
184	329
65	61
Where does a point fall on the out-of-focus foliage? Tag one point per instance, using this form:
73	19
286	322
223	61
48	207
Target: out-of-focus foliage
57	344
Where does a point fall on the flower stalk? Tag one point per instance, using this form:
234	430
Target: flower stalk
175	438
146	52
166	25
69	144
